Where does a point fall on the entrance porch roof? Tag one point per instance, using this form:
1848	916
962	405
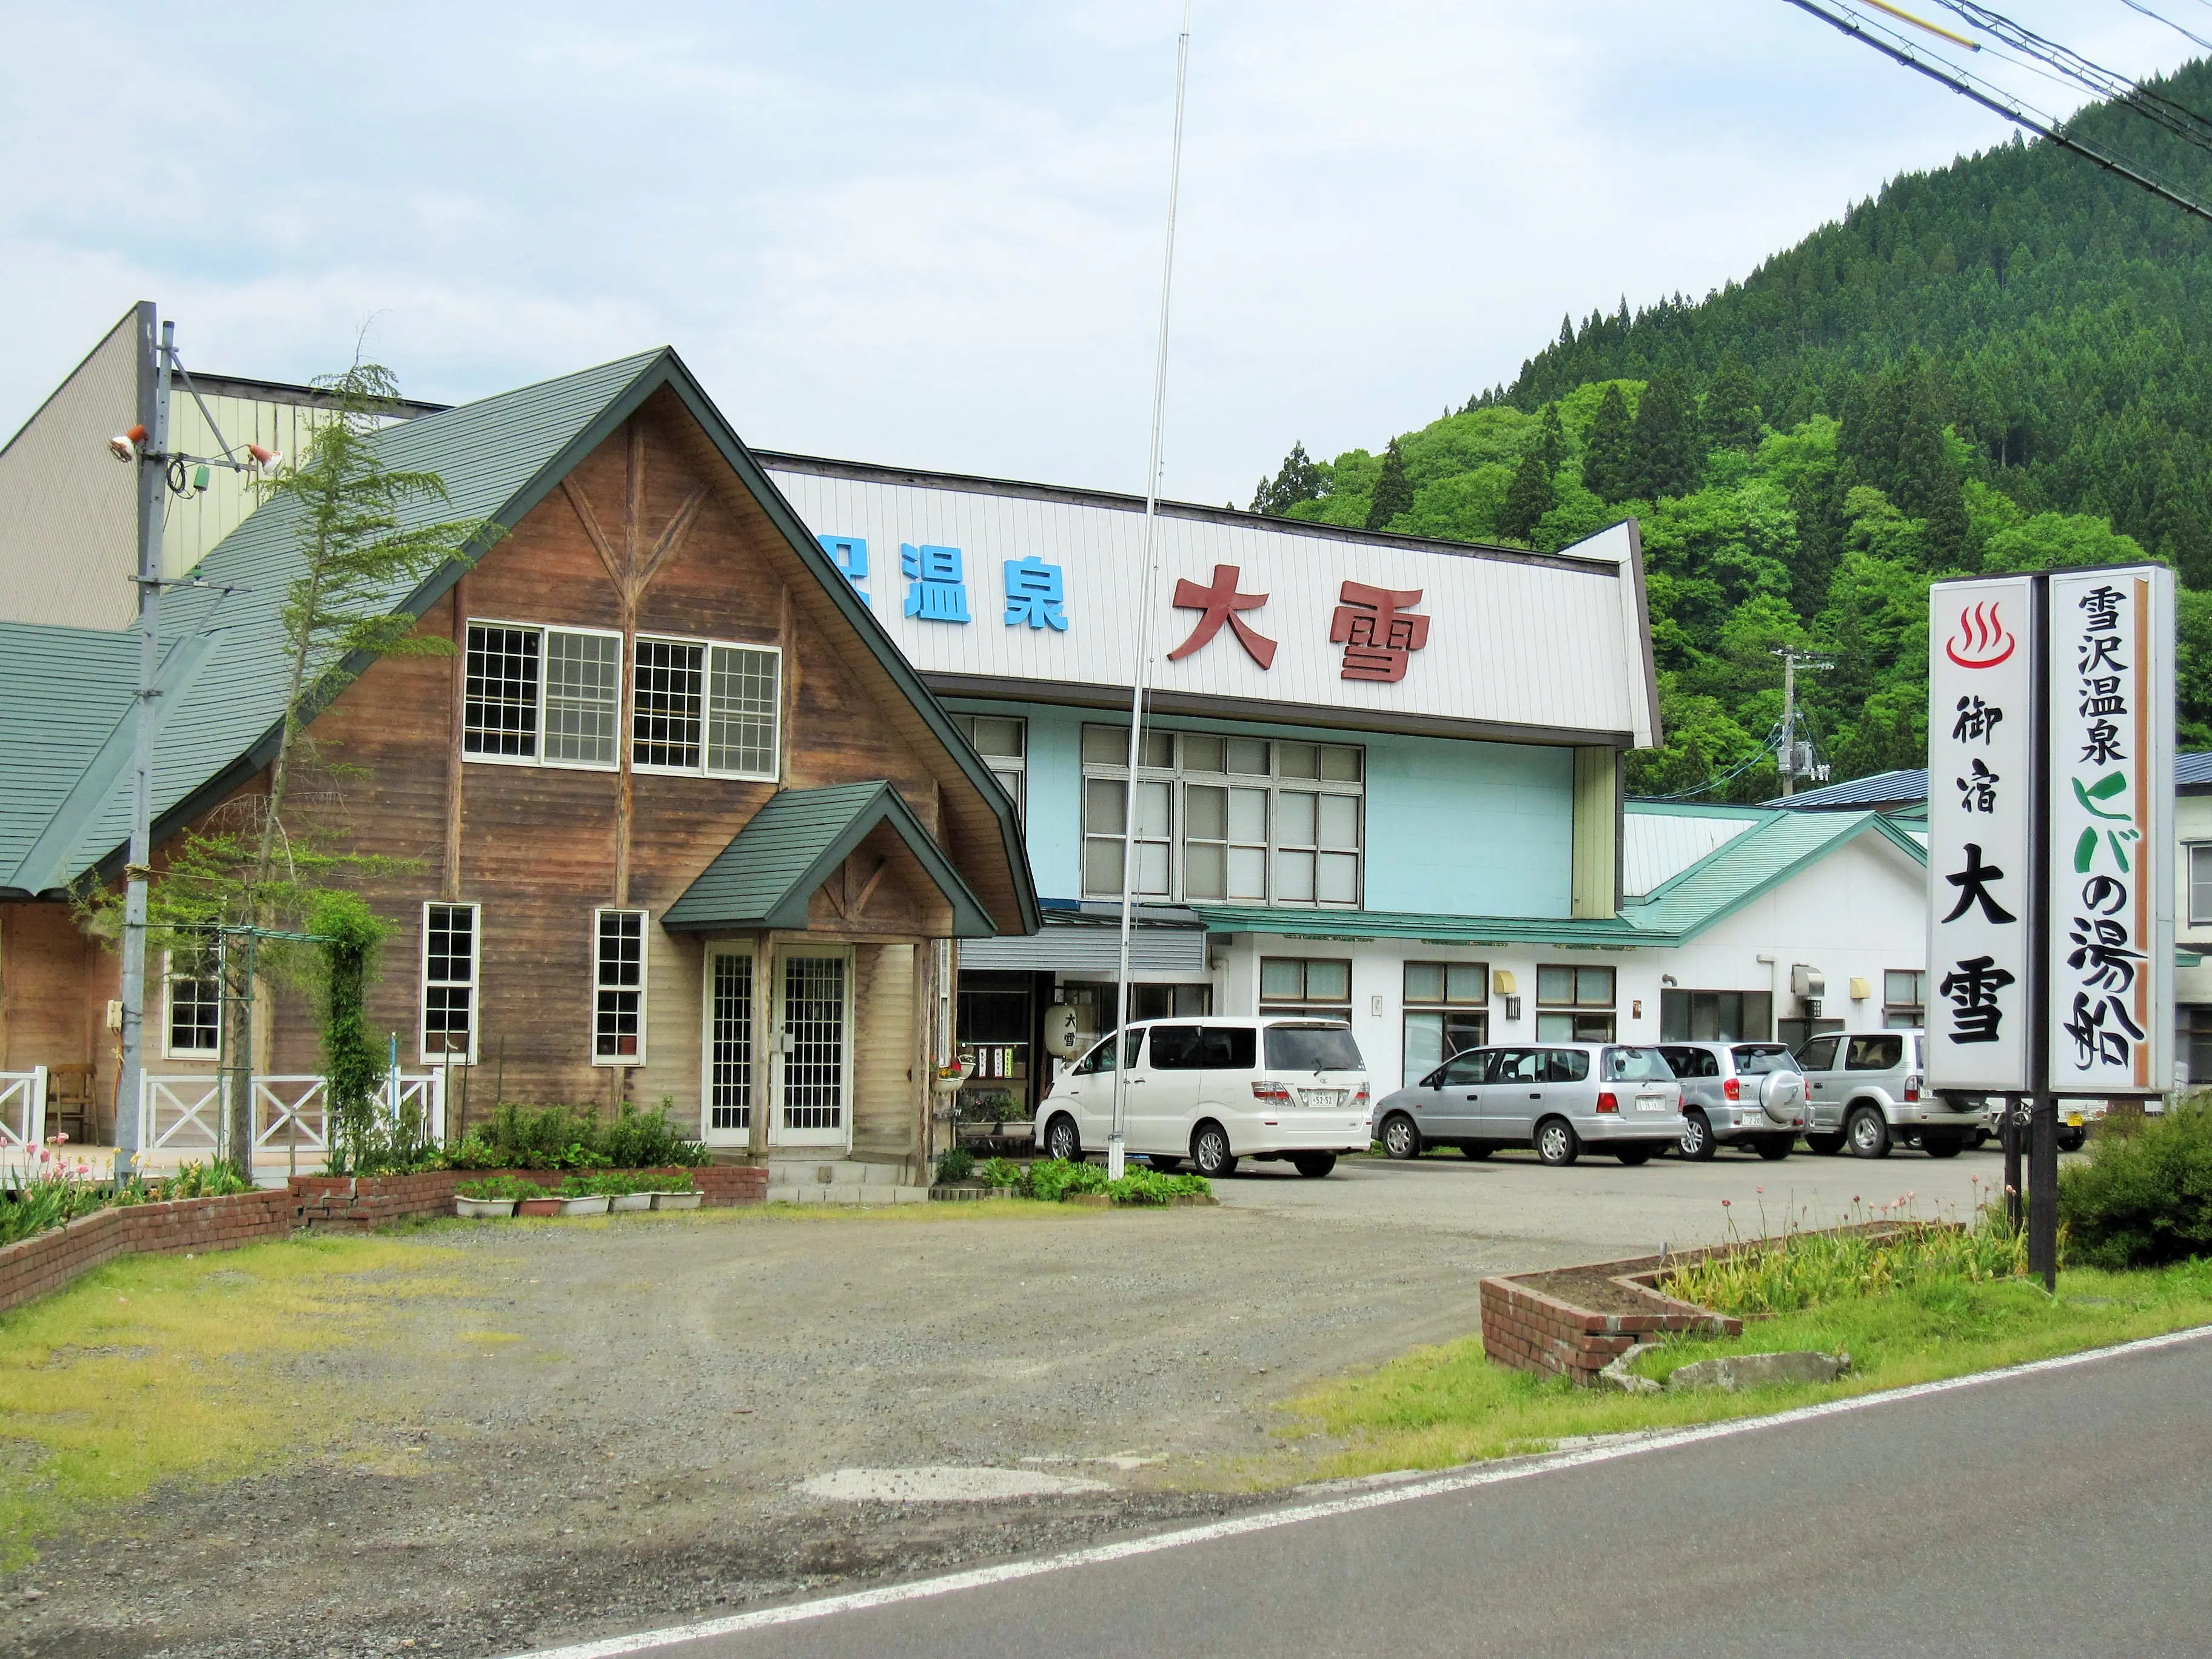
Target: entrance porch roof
771	868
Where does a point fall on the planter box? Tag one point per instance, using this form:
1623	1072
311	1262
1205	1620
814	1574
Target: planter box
959	1195
584	1205
632	1201
482	1207
677	1201
1092	1201
539	1206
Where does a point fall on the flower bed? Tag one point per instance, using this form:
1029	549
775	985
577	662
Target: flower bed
1054	1180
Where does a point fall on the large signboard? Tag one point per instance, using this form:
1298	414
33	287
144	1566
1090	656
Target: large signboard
2050	817
2111	782
1981	815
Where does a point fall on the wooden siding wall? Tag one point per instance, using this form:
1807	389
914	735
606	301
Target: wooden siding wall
538	846
885	1087
55	984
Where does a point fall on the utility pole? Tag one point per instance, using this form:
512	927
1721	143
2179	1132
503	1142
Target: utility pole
153	464
1787	752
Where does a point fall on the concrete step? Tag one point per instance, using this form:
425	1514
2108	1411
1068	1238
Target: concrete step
832	1172
846	1191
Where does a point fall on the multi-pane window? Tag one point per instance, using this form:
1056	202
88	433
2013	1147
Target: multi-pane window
703	707
548	694
1574	1004
1716	1016
1003	742
2200	884
1224	819
450	957
1905	998
195	1007
1447	1010
617	988
814	1023
730	1042
1306	985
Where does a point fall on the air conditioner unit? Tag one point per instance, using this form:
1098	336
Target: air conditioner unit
1806	981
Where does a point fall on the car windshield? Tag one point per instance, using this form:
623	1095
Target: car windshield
1312	1048
1756	1059
1636	1066
1101	1059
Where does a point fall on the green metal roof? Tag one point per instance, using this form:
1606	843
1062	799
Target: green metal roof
1715	887
787	850
220	711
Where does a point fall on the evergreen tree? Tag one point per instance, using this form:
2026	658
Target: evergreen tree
1529	496
1608	454
1301	479
1667	452
1550	443
1732	406
1393	491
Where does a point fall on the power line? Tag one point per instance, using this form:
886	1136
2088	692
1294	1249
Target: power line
2187	35
2004	103
2170	114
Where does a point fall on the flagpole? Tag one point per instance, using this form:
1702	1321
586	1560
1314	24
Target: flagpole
1148	582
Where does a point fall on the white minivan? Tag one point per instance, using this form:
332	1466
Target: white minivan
1215	1089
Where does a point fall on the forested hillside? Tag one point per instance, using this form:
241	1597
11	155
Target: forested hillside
2002	365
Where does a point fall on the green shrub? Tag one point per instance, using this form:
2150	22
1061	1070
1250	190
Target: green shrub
666	1181
2144	1199
999	1172
500	1186
647	1140
1806	1269
1051	1179
565	1138
1149	1186
954	1162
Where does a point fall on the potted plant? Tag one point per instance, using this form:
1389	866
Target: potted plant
492	1195
626	1191
541	1202
950	1076
580	1194
675	1191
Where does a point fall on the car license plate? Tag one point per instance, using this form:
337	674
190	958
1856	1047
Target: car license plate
1650	1103
1328	1099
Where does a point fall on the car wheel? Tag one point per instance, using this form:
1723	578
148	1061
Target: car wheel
1400	1137
1557	1142
1774	1148
1313	1165
1477	1150
1697	1138
1941	1146
1062	1140
1633	1155
1164	1165
1209	1152
1867	1132
1827	1145
2073	1140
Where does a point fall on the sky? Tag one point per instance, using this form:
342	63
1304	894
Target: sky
931	236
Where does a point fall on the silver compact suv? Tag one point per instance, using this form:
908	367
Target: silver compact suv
1869	1091
1749	1094
1559	1098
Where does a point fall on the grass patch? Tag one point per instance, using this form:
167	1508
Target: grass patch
1439	1406
161	1367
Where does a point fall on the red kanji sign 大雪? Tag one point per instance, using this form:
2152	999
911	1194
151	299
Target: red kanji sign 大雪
1379	633
1221	602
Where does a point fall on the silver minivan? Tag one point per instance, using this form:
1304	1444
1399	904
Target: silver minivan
1558	1098
1215	1089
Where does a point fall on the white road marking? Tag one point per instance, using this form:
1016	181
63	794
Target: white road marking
1461	1480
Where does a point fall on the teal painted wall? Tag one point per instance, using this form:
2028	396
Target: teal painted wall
1453	828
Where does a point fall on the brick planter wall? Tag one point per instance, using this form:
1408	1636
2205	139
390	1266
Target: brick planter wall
360	1202
35	1265
1533	1332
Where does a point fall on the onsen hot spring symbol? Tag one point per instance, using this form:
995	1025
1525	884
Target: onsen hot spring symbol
1982	640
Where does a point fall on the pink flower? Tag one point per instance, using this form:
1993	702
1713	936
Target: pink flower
61	1140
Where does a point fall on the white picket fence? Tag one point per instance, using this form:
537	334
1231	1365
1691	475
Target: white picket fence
22	1109
180	1115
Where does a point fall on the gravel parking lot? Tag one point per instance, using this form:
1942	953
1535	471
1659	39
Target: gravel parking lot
610	1432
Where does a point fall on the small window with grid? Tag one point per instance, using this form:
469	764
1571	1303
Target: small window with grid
547	697
1003	742
2200	884
619	987
1905	998
668	704
450	957
195	1007
1574	1004
500	700
1447	1010
730	1058
1320	986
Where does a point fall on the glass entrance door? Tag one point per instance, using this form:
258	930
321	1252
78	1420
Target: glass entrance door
728	1083
814	1073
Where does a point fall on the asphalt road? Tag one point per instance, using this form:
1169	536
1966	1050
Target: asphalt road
2060	1512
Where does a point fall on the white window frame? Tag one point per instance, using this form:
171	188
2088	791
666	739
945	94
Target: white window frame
2197	918
706	649
642	988
537	756
1180	775
169	978
1010	770
474	985
1608	1010
1915	1014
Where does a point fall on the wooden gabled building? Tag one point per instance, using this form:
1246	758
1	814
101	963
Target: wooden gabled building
679	821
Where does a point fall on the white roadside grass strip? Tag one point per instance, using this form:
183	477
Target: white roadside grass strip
1465	1479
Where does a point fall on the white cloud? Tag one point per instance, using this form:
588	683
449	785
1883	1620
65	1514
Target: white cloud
919	236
